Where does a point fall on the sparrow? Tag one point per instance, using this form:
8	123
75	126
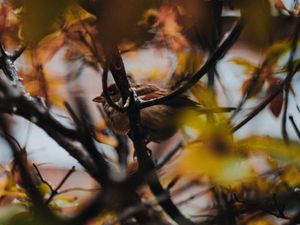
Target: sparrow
158	122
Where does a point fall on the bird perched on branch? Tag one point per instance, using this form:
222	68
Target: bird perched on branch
159	122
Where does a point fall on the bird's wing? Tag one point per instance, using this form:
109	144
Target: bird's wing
182	101
149	92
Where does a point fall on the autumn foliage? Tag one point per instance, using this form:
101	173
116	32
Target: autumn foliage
208	173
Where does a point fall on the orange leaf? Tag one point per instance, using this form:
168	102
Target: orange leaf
105	139
49	45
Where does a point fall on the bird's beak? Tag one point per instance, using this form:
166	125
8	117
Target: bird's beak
99	99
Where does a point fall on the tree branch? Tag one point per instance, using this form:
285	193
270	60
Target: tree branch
295	126
278	89
42	211
210	63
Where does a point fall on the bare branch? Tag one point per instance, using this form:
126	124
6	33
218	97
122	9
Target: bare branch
210	63
42	211
6	64
55	191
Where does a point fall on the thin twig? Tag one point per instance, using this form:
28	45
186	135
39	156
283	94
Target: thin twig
286	89
117	68
42	211
42	178
192	197
284	115
62	182
78	189
251	87
295	126
267	210
276	91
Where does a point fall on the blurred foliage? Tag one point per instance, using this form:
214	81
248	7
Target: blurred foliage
260	22
77	32
270	71
39	18
215	153
16	205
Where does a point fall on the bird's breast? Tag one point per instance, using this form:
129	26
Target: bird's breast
119	121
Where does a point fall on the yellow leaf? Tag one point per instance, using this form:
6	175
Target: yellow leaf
44	189
105	218
291	176
262	221
156	74
204	96
188	62
249	66
65	201
276	50
268	146
212	154
223	169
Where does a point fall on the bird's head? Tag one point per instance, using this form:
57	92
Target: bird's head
112	91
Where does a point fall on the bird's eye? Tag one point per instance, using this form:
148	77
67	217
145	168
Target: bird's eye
112	90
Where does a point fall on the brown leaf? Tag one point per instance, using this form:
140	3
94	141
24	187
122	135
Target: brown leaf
276	105
251	88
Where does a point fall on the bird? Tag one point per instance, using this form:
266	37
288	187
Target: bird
158	122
